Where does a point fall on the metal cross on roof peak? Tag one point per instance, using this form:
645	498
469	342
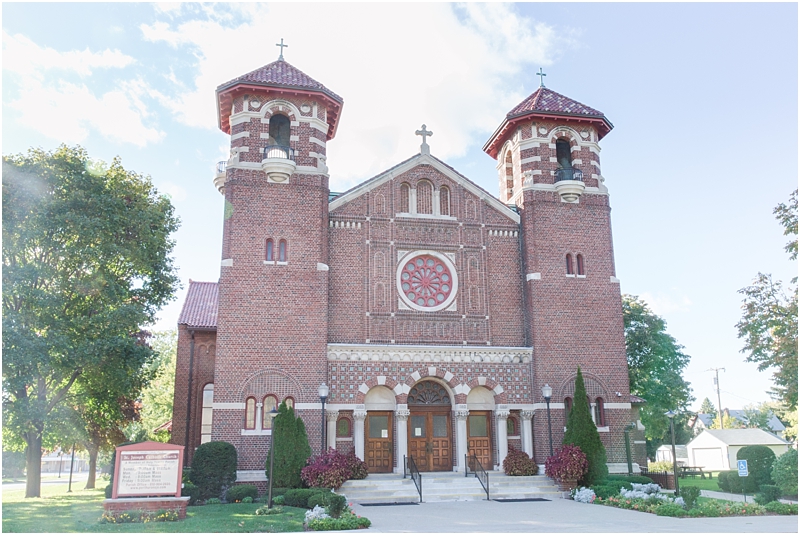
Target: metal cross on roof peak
280	58
541	76
424	132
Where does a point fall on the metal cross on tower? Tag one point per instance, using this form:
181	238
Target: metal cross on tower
424	132
280	58
541	76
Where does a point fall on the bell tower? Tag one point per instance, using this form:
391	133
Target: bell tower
272	323
548	156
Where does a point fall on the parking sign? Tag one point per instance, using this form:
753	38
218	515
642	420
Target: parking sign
742	465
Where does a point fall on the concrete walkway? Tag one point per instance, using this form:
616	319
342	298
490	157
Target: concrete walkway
557	516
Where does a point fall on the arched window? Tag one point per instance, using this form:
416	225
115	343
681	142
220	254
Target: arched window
567	405
279	130
579	261
404	194
424	197
250	413
570	270
282	251
343	428
444	200
511	427
599	413
207	414
270	250
270	402
563	154
289	402
509	167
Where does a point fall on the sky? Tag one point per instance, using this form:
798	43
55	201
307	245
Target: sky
703	98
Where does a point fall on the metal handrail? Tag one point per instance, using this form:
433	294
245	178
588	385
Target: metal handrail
278	151
569	173
221	166
416	477
477	469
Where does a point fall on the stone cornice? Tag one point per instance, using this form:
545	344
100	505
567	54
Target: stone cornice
423	353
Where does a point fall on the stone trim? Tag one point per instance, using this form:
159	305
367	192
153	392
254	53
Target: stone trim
414	353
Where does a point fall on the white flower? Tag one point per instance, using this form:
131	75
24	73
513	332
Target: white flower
315	513
583	495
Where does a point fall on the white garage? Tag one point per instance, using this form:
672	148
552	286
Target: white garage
715	449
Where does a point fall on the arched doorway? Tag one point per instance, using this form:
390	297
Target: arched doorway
430	440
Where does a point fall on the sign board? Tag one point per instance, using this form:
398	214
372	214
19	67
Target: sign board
148	469
742	466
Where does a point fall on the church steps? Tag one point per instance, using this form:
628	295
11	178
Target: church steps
445	487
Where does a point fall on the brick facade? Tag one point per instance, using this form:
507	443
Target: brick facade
496	314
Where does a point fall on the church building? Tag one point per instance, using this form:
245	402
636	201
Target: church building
415	314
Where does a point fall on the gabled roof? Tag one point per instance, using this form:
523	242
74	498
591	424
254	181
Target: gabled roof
744	437
200	308
774	423
546	104
414	161
636	400
281	77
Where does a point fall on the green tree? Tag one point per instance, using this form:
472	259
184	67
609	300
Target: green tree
290	442
655	369
708	408
582	432
757	417
769	318
86	262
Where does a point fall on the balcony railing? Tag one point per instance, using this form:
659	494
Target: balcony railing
221	167
278	151
569	173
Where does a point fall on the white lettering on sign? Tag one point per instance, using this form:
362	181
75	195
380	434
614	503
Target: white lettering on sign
146	473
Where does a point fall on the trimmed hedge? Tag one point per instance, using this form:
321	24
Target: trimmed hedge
299	497
334	503
781	508
237	493
729	481
192	491
605	491
769	493
784	473
759	466
629	479
213	468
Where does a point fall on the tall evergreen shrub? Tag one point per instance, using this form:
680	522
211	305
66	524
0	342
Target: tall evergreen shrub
784	473
213	468
582	432
291	449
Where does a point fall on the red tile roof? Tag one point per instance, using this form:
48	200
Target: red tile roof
547	101
200	308
282	74
637	399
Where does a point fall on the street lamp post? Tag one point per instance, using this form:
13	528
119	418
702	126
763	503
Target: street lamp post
273	412
547	393
671	416
323	395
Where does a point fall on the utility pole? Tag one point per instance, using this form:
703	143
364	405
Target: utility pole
719	397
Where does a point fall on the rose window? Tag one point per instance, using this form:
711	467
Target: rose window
426	281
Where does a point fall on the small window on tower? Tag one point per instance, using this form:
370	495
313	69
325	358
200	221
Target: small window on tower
270	402
279	130
579	261
282	251
289	402
599	413
567	405
570	270
404	194
270	256
424	197
563	154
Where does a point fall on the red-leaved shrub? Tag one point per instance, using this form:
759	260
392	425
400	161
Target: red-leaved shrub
517	463
333	468
567	464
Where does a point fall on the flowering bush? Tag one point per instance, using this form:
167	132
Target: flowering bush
518	463
709	508
583	495
316	513
660	466
346	521
333	468
265	510
641	490
569	463
136	517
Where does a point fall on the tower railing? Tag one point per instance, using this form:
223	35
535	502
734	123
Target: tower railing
221	166
278	151
569	173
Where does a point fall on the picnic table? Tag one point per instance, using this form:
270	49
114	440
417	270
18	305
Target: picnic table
691	471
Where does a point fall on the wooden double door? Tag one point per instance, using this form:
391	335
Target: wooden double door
479	437
430	440
379	442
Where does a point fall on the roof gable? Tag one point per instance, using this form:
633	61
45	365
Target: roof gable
282	74
744	437
415	161
546	100
200	307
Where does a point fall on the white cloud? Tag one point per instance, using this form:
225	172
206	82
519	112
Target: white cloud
457	70
176	192
67	110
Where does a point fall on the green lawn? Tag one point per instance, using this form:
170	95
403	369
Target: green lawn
703	484
57	511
